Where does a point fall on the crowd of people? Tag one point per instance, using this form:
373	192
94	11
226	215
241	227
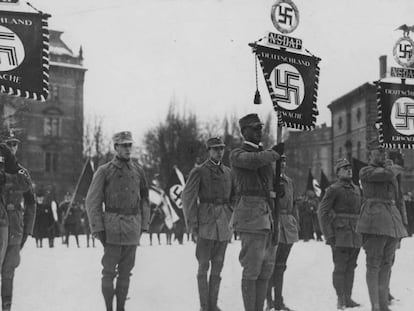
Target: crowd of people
253	201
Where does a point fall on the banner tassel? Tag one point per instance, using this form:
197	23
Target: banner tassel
257	99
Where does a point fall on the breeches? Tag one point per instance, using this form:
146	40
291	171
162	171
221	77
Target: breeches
257	255
210	250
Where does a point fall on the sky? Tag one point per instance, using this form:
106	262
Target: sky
142	54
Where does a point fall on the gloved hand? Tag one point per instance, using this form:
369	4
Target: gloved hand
331	241
101	236
279	148
24	238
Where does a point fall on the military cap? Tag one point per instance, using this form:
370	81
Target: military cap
215	142
122	138
251	119
283	157
341	163
374	144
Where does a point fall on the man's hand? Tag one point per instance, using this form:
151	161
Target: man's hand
24	238
279	148
101	236
331	241
194	234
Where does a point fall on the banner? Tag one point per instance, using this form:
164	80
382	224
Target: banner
175	186
395	115
324	183
82	186
159	200
313	185
356	167
24	54
292	81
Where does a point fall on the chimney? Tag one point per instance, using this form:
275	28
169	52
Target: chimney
382	66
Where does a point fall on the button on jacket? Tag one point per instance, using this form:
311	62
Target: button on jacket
120	185
338	214
289	215
210	185
379	214
252	211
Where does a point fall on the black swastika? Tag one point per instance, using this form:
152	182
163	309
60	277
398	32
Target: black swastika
285	15
406	50
406	115
288	88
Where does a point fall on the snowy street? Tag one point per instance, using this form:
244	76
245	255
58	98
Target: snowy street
164	278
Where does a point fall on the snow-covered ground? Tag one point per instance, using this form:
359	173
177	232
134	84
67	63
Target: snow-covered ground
164	278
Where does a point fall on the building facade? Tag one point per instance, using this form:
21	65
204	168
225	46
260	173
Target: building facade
309	150
52	132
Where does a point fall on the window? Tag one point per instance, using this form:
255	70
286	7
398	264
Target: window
54	92
359	150
51	162
358	115
52	126
340	123
340	152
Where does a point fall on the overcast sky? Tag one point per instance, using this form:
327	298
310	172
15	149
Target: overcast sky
142	53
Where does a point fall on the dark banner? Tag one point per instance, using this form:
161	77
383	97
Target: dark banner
396	115
292	80
24	54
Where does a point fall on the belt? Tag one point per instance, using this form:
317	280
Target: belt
215	201
379	200
121	211
258	193
282	212
345	215
10	207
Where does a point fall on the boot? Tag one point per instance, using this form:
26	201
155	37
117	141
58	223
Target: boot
108	294
261	292
6	306
203	291
249	294
341	305
349	303
121	293
214	287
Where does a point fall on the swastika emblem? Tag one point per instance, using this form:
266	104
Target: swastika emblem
288	86
175	195
11	50
285	16
403	51
402	115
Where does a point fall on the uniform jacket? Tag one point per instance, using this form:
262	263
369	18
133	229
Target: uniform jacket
20	205
252	212
289	215
207	201
122	185
338	214
380	212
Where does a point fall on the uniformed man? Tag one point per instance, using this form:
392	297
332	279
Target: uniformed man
207	210
20	221
288	234
338	214
381	223
122	186
253	219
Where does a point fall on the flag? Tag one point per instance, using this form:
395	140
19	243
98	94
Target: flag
159	199
175	186
174	190
395	115
82	186
292	81
324	183
24	41
313	184
356	167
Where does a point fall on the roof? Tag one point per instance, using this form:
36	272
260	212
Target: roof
359	90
